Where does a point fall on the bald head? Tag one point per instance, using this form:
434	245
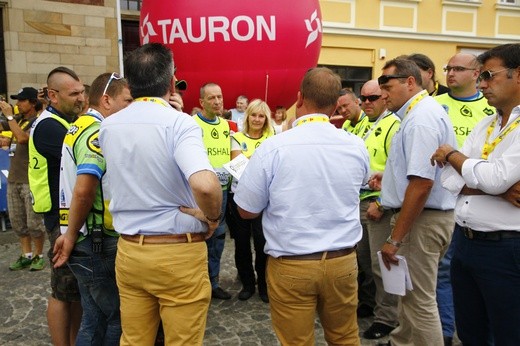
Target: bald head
371	101
461	74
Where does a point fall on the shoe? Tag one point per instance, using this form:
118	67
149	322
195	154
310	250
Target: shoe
364	311
37	264
246	293
219	293
448	340
21	263
377	330
264	297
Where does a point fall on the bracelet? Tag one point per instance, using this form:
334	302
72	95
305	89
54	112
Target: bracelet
217	219
389	240
379	206
447	157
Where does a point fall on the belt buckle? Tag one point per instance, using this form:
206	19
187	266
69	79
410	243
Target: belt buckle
468	232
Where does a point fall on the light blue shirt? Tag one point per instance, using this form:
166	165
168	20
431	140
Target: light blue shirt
238	117
422	131
151	150
306	181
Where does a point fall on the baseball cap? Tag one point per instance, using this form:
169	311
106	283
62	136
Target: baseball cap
26	93
181	85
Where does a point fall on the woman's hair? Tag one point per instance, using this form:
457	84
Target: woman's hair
259	107
284	112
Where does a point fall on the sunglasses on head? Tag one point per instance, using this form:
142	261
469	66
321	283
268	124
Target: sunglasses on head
488	74
370	98
383	79
113	76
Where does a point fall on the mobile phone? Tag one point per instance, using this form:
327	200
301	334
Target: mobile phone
46	92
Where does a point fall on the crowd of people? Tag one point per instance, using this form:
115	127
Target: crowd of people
135	197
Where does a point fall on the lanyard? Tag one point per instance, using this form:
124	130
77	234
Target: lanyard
154	100
416	100
313	119
384	114
488	148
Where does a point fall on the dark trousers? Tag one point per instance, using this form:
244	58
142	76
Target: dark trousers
242	230
485	276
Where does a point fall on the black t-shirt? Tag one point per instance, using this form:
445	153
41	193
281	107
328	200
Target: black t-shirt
48	140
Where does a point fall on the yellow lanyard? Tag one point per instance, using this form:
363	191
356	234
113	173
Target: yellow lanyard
416	100
153	99
314	119
488	148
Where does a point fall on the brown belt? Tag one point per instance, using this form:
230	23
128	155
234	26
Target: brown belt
165	238
322	254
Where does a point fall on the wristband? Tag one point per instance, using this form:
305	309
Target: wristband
447	157
390	241
217	219
378	204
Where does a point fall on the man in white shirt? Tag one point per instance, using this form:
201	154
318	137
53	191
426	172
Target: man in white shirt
237	114
312	262
485	268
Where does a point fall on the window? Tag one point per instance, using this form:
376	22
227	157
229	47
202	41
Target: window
509	2
133	5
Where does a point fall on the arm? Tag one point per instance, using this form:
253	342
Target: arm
208	195
20	135
244	214
415	197
81	204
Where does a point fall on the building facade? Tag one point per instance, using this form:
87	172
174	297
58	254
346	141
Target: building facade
91	36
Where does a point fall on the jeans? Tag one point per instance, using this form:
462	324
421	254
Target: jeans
485	275
215	246
95	272
445	294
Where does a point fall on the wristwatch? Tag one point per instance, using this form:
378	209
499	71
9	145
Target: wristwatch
9	117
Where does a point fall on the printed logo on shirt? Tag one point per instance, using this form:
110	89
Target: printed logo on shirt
93	143
489	111
465	111
214	134
73	129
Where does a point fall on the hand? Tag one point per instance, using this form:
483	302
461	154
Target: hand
374	182
439	156
4	141
388	252
512	195
62	249
6	108
198	214
176	101
373	212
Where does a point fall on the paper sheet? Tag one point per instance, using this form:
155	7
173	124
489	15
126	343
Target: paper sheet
397	280
237	166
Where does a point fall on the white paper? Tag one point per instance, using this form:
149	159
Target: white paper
5	172
397	280
237	166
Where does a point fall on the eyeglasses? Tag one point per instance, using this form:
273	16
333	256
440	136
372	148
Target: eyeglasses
370	98
458	68
383	79
488	74
113	76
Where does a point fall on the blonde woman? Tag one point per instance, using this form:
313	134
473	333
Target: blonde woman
257	127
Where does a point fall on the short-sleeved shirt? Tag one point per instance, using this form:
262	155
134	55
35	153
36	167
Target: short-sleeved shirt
422	131
151	150
291	175
20	160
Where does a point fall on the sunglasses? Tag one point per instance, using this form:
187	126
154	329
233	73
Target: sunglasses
488	74
113	76
458	68
383	79
370	98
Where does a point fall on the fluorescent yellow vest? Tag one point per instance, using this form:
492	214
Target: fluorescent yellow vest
248	145
38	169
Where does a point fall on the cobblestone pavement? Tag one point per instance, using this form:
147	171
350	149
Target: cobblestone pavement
23	299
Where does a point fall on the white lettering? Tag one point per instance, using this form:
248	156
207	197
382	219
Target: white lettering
270	31
202	36
250	28
242	28
214	29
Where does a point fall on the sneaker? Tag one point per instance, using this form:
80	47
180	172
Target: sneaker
37	263
21	263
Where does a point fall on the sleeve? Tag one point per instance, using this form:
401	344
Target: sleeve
87	152
252	192
235	145
48	139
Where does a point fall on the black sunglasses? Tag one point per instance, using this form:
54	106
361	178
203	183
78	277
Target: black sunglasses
370	98
383	79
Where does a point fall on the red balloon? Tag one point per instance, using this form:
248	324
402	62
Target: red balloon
260	49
